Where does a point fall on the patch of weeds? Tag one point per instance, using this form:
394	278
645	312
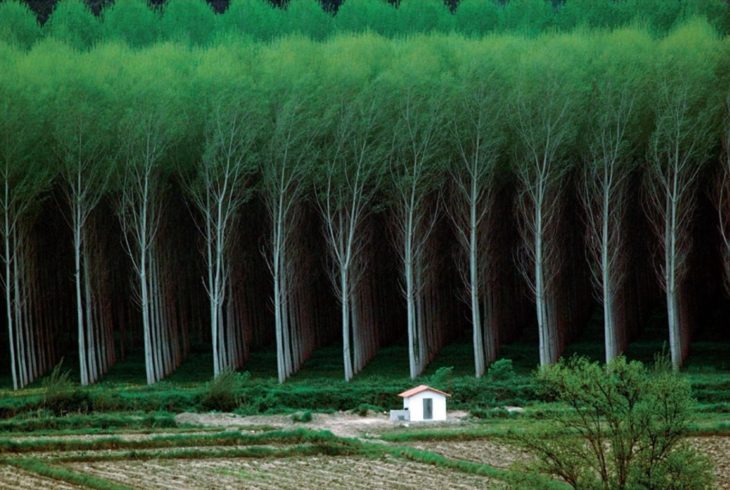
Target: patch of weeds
501	371
60	395
365	408
223	392
302	417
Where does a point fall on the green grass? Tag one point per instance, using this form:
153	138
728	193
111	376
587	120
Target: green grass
517	480
229	438
319	386
39	421
49	470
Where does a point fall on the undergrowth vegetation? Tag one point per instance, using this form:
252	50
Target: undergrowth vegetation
120	402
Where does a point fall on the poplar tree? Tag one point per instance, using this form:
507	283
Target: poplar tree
542	113
416	171
131	21
18	24
81	140
722	192
147	129
73	23
613	141
678	148
218	190
288	154
24	176
476	130
188	21
350	176
376	16
255	18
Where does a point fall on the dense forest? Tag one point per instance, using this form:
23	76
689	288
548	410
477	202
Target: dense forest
231	194
140	23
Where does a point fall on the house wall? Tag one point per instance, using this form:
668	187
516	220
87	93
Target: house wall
414	405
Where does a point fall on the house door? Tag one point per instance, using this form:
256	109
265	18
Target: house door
427	408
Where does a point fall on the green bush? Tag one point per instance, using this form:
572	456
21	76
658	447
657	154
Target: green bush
501	371
364	408
492	413
302	417
623	427
442	378
223	391
61	396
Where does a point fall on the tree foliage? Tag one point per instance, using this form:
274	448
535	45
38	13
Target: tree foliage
394	131
193	21
624	427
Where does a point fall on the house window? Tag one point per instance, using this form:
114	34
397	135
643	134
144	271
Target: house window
427	408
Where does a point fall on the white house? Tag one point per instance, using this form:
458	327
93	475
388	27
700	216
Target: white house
424	404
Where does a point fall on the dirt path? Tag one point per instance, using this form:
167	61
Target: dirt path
342	424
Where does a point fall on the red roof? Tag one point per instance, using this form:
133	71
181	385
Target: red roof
419	389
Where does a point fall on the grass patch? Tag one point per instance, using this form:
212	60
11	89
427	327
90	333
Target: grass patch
518	479
231	438
43	421
43	468
318	387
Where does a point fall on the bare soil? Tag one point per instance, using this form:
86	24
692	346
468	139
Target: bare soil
17	479
501	455
486	451
718	450
343	424
323	472
131	436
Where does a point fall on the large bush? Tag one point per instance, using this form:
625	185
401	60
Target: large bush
624	427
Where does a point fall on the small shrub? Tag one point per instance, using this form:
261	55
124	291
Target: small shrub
222	392
57	384
492	413
501	371
302	417
60	395
107	401
441	379
364	408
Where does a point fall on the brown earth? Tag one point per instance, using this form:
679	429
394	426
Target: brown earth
341	424
13	478
718	450
501	455
317	472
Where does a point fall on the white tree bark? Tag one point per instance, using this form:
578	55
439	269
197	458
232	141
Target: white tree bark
416	214
350	183
218	192
678	146
477	136
604	196
290	147
543	127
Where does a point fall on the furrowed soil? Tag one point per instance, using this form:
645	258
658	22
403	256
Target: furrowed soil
487	451
288	464
499	454
17	479
324	472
